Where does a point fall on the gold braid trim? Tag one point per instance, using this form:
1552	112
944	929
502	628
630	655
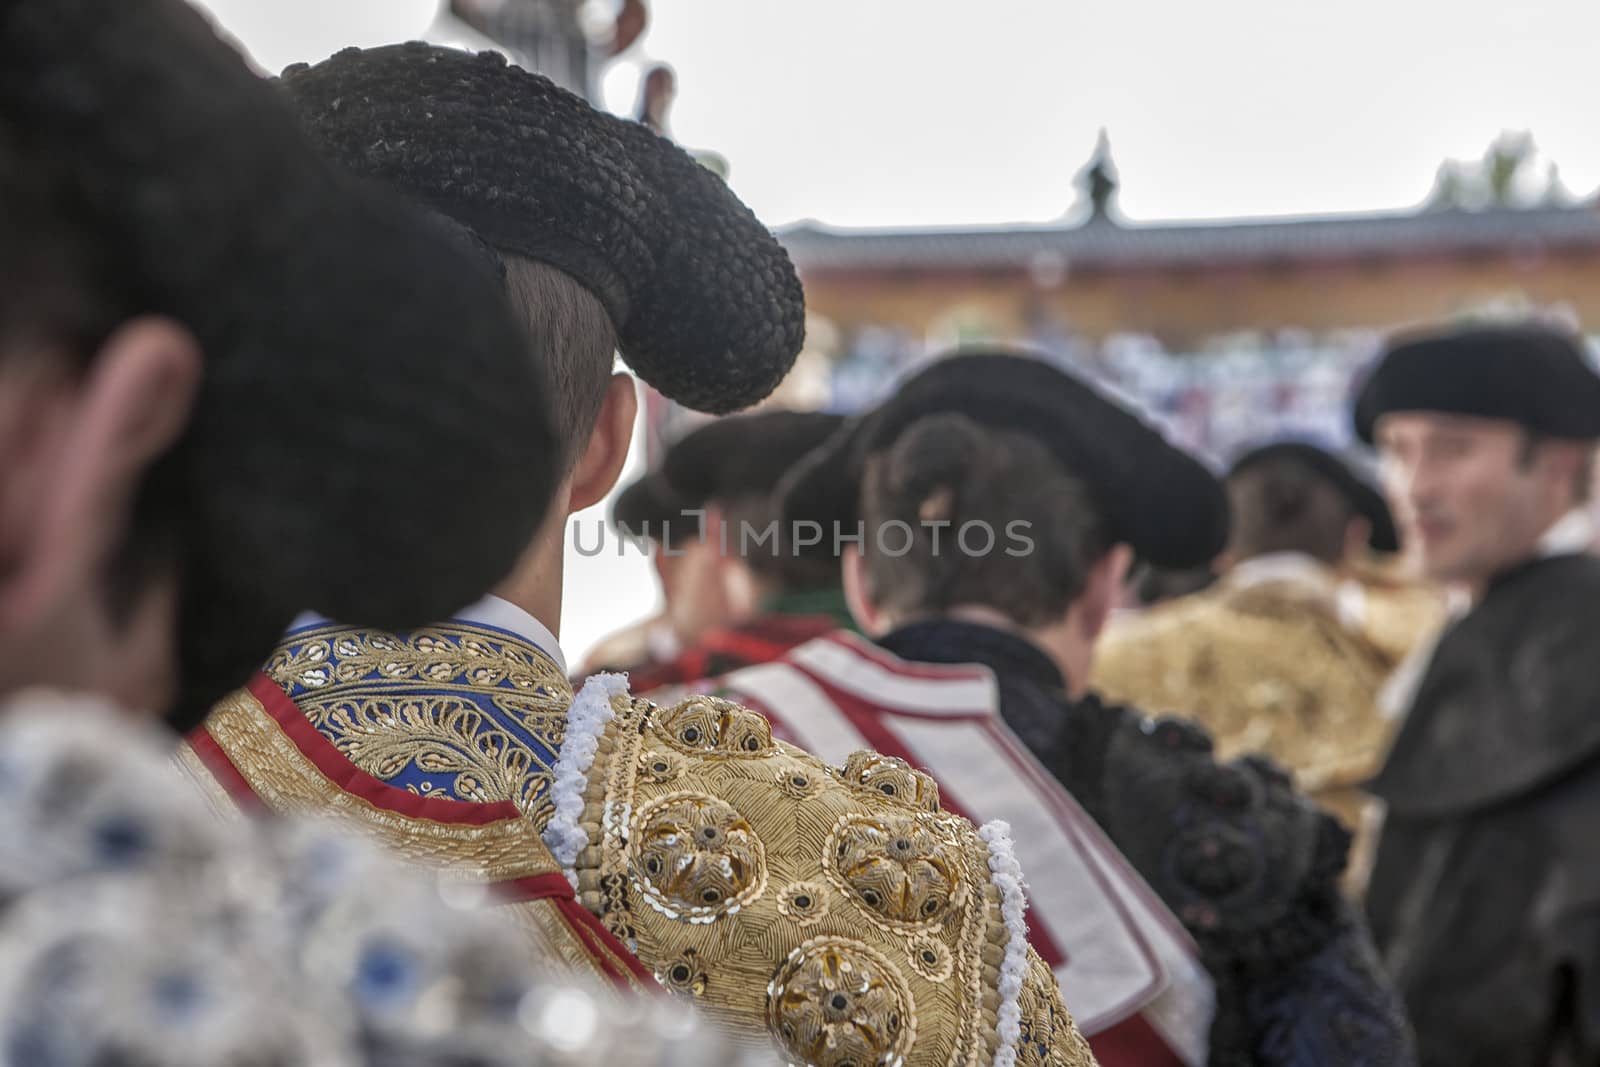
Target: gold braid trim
792	903
286	781
217	799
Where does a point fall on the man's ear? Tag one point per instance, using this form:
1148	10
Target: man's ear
1103	588
90	453
858	594
598	469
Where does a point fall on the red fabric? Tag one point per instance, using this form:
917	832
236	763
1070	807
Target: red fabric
727	648
534	887
222	769
603	944
1132	1043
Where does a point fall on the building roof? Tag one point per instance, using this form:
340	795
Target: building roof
1105	245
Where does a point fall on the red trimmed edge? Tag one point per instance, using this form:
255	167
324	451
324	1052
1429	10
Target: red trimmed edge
533	887
1132	1043
612	955
216	761
607	951
347	776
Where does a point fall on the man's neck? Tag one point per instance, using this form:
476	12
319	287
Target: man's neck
534	585
1568	534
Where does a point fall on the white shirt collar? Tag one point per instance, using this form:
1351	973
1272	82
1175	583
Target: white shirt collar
491	611
1296	567
1571	535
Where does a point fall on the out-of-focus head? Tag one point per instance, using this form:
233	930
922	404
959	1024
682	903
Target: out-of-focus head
233	384
651	511
1486	437
732	467
1292	496
1046	474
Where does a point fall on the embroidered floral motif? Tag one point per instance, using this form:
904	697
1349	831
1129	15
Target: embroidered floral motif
899	867
804	903
696	857
837	1003
892	777
684	975
711	726
658	766
797	783
930	958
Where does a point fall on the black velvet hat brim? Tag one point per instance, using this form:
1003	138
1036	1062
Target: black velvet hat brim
1156	498
745	455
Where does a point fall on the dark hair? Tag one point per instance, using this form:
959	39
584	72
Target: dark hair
1282	505
1582	480
948	468
571	330
1154	585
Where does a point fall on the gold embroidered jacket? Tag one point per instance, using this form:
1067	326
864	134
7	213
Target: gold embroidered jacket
1266	666
837	912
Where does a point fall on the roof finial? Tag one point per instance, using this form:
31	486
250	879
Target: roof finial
1098	180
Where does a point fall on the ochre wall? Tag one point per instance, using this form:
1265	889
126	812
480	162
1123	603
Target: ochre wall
1182	307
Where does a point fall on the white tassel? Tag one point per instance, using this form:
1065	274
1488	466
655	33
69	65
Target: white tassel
587	718
1014	966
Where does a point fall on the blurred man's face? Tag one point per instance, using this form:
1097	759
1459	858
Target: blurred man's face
1473	496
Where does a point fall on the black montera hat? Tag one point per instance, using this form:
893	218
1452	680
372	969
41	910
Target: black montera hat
1156	498
745	455
707	306
650	508
1529	374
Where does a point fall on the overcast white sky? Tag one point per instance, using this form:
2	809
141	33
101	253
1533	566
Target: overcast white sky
949	112
917	112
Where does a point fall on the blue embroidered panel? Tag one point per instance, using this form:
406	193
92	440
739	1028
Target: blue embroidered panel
457	710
